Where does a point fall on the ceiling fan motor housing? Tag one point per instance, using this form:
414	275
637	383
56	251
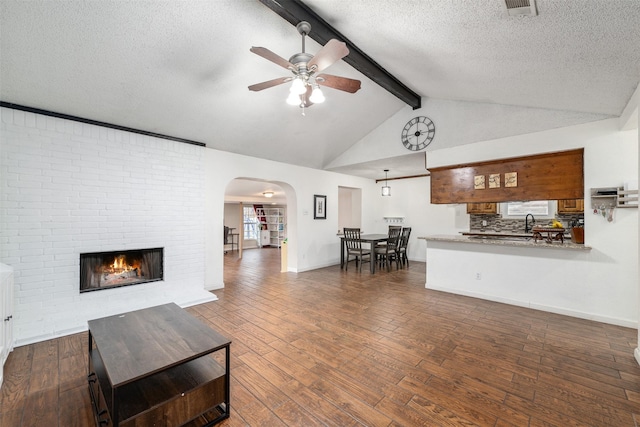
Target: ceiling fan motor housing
300	61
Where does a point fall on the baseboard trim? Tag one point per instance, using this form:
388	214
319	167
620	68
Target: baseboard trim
542	307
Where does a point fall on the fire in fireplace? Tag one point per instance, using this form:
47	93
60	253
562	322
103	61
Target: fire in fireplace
102	270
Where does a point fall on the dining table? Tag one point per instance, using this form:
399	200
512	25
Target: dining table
372	239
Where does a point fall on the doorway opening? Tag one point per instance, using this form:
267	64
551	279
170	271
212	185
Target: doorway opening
261	214
349	208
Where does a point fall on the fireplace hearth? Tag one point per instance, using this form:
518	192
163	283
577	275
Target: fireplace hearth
105	270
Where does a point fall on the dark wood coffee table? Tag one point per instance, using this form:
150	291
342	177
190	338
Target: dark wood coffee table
155	367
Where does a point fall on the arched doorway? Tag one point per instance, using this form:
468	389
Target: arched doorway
261	214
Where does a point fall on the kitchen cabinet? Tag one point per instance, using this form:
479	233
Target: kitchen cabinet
570	206
265	239
547	176
482	208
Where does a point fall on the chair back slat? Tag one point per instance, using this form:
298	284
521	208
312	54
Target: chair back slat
404	238
394	237
352	238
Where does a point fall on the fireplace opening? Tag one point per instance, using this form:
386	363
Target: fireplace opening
103	270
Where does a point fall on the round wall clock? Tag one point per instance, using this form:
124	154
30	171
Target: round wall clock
418	133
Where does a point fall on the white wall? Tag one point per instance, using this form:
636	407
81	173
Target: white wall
410	198
458	123
69	188
601	284
233	216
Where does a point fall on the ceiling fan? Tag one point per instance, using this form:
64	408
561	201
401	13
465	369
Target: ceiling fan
305	88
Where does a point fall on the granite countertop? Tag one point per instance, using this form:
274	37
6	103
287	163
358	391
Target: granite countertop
506	239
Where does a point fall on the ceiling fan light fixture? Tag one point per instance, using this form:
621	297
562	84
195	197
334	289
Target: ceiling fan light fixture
305	68
298	86
317	97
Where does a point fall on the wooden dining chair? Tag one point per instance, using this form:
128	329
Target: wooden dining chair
385	254
355	249
391	229
402	246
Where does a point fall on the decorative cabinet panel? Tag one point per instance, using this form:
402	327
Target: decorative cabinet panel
570	206
482	208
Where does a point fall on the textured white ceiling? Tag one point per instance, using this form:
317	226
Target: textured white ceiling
575	55
182	68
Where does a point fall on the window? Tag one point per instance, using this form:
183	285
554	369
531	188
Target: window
538	207
251	224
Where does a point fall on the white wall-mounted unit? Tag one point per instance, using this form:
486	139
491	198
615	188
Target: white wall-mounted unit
6	314
394	220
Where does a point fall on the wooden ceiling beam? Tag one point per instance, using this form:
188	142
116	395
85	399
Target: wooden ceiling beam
295	11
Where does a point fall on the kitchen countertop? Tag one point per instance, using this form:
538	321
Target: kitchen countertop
498	239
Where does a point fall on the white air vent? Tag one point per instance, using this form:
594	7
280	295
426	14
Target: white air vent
521	7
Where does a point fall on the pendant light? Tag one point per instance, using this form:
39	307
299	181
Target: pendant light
386	190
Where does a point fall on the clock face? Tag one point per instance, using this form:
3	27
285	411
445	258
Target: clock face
418	133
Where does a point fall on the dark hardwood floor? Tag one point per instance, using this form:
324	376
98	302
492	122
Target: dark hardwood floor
335	348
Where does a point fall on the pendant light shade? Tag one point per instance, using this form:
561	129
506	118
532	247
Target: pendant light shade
386	190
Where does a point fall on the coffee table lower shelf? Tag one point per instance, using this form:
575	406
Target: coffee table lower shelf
172	397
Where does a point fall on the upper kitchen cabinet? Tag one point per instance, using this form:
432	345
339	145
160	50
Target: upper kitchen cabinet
548	176
570	206
482	208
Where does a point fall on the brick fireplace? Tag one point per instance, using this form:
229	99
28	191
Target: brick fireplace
75	188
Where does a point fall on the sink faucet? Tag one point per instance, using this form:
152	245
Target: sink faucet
527	227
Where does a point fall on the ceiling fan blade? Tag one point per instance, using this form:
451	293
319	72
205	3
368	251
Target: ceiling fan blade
267	54
337	82
271	83
331	52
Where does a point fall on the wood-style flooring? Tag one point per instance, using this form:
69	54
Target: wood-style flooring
335	348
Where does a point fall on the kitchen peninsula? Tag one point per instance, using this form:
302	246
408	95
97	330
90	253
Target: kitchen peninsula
509	240
589	281
544	276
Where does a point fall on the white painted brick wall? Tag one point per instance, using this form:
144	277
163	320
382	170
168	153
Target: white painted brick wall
68	188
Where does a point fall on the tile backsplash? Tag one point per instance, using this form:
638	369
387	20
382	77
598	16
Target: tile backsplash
496	223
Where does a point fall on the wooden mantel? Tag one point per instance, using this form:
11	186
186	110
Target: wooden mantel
548	176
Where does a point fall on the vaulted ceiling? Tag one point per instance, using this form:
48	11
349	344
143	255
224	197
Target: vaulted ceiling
182	68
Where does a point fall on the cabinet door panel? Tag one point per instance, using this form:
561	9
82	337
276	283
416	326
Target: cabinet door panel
571	206
482	208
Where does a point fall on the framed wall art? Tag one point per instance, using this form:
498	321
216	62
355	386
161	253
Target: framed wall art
319	207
